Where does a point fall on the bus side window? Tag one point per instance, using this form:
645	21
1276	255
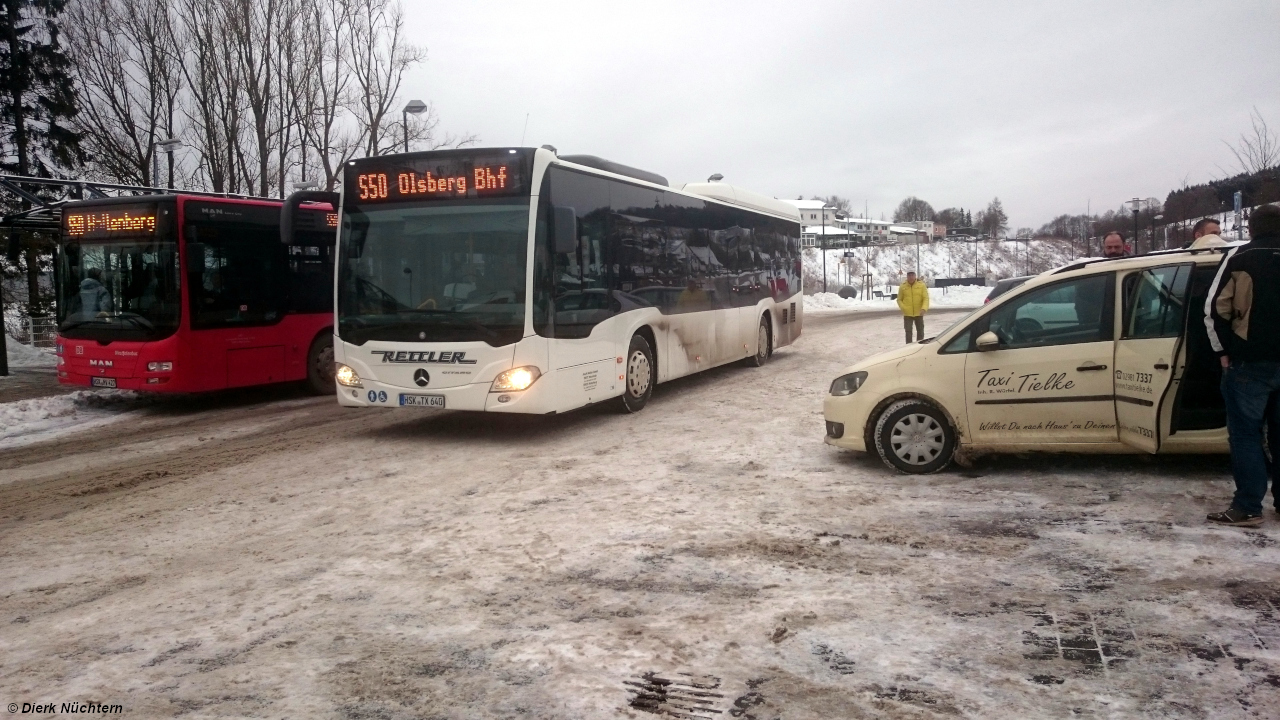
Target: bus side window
638	238
580	279
238	283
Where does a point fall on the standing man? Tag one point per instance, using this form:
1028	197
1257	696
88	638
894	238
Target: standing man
913	300
1243	318
1206	234
1113	245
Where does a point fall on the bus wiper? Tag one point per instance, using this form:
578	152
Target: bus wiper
139	320
71	325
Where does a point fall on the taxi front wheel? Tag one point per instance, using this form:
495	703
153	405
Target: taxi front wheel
914	437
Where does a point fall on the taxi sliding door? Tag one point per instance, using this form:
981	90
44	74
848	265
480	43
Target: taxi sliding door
1155	306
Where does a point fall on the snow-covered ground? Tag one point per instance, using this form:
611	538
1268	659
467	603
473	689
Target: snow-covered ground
25	356
954	298
42	419
239	557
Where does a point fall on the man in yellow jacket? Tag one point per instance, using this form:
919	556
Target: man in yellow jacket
913	300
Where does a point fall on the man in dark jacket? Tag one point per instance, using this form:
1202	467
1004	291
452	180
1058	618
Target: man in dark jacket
1242	315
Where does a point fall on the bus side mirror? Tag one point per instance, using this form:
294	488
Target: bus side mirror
566	226
195	257
987	341
289	211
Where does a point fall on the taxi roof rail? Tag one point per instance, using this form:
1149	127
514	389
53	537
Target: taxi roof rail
1087	262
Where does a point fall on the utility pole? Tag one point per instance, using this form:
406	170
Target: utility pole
1136	202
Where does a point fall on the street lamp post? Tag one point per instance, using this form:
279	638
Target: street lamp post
167	147
415	107
1136	204
824	247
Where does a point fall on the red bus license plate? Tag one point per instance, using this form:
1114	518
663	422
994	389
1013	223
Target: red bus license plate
102	382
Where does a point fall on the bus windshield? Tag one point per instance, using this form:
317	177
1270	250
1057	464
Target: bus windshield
434	272
123	286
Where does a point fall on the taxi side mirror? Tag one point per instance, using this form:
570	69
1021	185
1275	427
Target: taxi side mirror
987	341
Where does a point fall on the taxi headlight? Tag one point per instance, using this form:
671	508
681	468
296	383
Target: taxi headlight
848	384
347	376
515	379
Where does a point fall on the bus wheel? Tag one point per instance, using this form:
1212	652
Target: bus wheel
320	366
641	375
915	437
764	343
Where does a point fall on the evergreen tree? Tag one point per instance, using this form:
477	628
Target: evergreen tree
37	105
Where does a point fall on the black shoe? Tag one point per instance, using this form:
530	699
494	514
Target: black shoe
1235	518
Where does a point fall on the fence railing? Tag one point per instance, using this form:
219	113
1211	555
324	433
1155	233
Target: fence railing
41	331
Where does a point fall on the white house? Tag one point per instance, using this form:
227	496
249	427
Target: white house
812	212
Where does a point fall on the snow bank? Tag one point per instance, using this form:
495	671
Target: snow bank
963	297
889	264
25	356
27	421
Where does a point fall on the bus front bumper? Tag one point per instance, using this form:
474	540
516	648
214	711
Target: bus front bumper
473	397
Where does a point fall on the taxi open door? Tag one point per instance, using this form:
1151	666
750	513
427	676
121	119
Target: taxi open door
1153	326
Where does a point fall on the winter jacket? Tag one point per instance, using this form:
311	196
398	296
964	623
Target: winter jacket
94	297
1242	313
913	300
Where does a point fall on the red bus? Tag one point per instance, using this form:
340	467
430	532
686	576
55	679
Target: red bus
191	293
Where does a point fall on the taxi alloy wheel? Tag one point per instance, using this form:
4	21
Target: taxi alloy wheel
915	437
640	376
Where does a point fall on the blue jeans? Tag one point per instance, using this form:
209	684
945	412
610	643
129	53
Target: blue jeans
1248	388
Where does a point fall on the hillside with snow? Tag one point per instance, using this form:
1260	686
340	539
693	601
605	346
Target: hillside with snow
889	264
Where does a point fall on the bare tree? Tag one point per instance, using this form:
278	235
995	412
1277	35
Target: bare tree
260	90
1257	149
126	65
842	205
213	88
322	90
379	55
912	209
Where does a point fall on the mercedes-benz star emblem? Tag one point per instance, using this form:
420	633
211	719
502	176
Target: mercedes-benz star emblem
421	378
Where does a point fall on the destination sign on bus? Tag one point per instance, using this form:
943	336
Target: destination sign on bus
452	177
110	221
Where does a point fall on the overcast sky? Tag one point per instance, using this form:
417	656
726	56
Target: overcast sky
1048	105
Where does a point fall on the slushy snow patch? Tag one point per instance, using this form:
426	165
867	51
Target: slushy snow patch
27	421
25	356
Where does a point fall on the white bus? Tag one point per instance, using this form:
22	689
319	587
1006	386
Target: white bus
517	280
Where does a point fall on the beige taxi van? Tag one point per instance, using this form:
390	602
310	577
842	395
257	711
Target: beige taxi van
1100	356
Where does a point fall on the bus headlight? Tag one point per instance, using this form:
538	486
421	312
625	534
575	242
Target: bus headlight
347	376
515	379
159	367
848	384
